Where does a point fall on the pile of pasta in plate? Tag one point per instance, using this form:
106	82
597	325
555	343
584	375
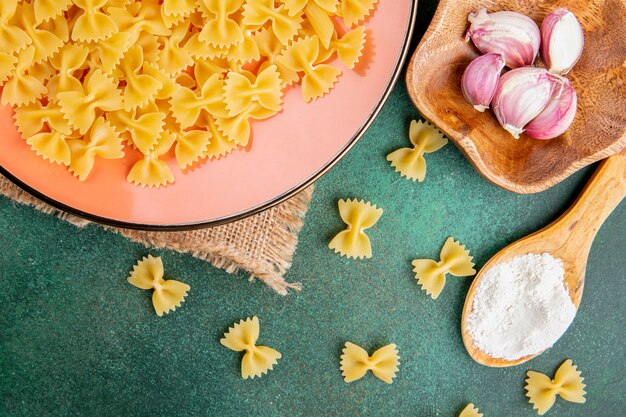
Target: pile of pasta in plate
93	79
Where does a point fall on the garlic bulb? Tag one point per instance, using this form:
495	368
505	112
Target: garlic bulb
558	114
515	36
562	41
480	80
521	95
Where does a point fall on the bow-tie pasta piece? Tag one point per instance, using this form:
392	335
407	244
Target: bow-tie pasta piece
241	92
140	88
259	12
151	171
221	29
454	260
144	129
355	362
470	411
140	18
23	88
173	59
48	9
92	24
238	128
44	37
98	92
51	146
32	118
358	215
301	56
69	59
191	146
187	104
14	38
349	47
567	383
168	294
410	162
243	336
219	145
102	141
355	11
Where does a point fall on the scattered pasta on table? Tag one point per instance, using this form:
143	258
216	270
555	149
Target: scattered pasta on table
257	360
355	362
168	294
454	260
567	384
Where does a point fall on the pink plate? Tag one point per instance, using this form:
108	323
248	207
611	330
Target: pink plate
288	152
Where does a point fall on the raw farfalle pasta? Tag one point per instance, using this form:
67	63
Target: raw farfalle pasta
170	79
358	215
470	411
355	362
102	141
151	170
243	336
454	260
567	383
302	56
168	294
13	37
410	162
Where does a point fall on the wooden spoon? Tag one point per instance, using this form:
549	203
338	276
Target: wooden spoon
569	238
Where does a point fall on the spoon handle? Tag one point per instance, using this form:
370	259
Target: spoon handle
604	191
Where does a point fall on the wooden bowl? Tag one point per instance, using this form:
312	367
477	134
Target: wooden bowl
526	165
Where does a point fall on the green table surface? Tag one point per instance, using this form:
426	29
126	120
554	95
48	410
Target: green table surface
77	339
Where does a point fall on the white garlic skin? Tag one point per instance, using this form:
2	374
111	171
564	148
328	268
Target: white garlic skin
480	80
558	114
562	41
513	35
521	95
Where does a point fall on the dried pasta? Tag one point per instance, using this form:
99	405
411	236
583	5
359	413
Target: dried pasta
162	83
168	294
567	383
410	162
358	215
454	260
243	336
355	362
354	11
470	411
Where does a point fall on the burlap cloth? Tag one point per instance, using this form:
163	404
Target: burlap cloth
263	244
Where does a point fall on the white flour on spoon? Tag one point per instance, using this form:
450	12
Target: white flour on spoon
521	307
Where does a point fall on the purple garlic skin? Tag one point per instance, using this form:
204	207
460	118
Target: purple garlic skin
480	80
558	114
521	95
562	41
513	35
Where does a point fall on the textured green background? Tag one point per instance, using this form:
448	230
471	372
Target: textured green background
76	339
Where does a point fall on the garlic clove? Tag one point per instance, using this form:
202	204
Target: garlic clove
521	95
480	80
513	35
562	41
558	114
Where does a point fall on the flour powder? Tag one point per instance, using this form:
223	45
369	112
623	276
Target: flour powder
521	307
